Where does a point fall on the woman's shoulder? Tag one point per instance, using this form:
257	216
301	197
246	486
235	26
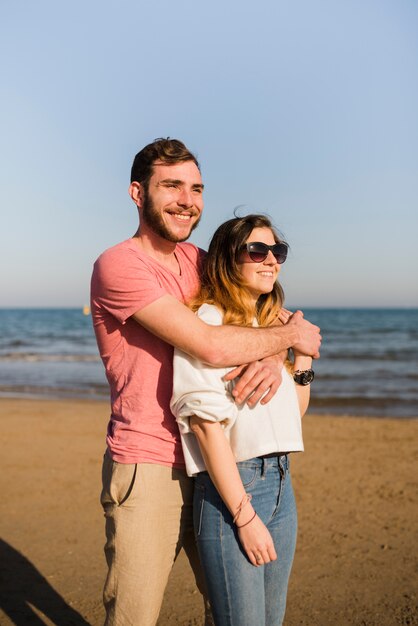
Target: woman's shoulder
210	314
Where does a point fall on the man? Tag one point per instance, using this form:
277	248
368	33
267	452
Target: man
138	292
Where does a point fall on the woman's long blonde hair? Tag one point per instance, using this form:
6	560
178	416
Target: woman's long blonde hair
222	282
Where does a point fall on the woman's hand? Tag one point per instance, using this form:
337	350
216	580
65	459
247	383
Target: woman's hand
284	315
257	542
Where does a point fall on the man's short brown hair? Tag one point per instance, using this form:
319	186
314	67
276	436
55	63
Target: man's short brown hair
168	151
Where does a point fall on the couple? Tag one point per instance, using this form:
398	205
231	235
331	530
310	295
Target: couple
139	288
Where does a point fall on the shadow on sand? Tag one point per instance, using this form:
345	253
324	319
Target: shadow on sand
21	585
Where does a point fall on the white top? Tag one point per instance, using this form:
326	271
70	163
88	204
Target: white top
198	389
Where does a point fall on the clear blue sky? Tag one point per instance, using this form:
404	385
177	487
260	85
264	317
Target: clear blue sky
304	110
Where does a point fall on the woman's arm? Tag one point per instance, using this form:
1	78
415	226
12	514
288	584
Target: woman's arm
220	463
302	362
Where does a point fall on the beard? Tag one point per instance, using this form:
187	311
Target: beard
155	222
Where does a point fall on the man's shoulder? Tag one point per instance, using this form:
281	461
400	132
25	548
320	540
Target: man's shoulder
119	264
190	250
123	259
120	249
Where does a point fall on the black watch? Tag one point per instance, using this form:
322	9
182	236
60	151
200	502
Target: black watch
303	377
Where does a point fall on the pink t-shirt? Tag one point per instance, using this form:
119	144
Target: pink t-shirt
139	365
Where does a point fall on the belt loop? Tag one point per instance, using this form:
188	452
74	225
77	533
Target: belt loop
263	466
282	459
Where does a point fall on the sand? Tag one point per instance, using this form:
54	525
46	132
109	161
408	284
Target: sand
356	488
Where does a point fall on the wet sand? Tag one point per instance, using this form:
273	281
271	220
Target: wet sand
356	488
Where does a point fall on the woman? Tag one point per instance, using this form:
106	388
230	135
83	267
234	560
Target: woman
244	509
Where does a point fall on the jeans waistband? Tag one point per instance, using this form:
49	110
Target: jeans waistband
276	459
272	455
269	460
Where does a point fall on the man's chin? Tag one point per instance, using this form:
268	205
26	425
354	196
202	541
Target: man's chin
174	237
178	238
184	234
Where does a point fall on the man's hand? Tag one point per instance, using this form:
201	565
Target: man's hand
260	379
309	341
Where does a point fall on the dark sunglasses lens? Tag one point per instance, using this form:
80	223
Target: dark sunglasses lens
280	252
257	252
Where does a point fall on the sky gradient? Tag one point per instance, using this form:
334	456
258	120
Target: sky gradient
303	110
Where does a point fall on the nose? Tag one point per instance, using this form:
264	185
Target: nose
185	198
270	259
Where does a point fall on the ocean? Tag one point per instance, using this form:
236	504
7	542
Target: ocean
368	364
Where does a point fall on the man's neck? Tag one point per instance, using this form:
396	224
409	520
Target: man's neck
158	248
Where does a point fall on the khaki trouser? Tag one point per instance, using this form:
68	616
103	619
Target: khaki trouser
148	511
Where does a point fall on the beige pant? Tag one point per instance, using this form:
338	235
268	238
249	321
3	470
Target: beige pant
148	511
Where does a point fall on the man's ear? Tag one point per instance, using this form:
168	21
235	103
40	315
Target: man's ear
136	191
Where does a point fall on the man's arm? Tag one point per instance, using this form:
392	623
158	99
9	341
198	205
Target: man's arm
259	380
225	346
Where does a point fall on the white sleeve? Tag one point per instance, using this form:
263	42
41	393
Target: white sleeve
198	389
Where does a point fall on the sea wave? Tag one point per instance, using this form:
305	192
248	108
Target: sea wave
34	357
361	405
390	355
92	392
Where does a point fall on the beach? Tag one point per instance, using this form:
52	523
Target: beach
356	489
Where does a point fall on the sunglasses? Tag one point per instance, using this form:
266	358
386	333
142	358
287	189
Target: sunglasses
258	251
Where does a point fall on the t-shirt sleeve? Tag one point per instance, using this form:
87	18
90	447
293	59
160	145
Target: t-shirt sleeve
123	283
199	389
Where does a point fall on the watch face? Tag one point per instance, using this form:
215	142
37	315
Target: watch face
308	377
304	378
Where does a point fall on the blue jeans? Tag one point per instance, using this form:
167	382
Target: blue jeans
241	594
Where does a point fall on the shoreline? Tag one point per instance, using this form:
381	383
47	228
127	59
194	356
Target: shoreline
319	407
356	488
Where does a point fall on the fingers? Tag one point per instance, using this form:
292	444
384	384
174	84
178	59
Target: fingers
310	338
245	385
235	372
273	388
252	558
257	543
297	315
262	556
257	379
272	552
284	316
253	385
262	386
